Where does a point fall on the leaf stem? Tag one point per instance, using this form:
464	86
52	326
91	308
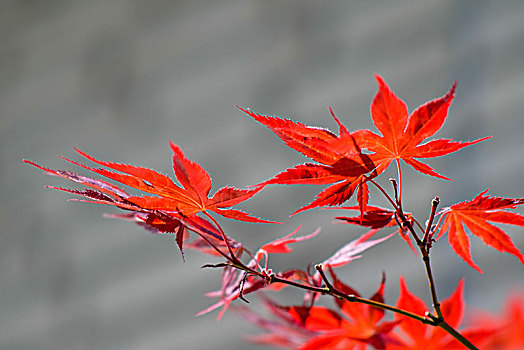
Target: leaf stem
224	237
399	171
418	224
405	224
203	236
393	203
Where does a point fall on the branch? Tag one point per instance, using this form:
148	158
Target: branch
424	246
331	290
434	204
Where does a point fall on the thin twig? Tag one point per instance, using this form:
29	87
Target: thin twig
398	209
356	299
434	204
242	283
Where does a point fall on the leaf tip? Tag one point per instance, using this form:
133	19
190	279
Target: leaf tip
379	78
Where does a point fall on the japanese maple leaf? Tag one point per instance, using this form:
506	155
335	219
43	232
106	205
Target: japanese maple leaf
372	217
341	162
352	250
476	215
103	192
376	218
187	200
281	245
401	136
510	324
351	326
412	334
236	283
156	221
281	330
356	326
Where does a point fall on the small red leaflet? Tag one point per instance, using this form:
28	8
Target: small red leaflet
475	215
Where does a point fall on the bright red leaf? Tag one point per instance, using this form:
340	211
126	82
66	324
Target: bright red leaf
357	326
510	324
402	135
156	221
342	163
351	326
187	200
376	218
412	334
372	217
476	215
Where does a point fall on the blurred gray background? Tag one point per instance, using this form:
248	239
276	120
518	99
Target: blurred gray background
119	79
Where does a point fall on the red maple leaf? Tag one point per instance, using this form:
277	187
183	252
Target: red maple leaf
187	200
356	326
351	251
475	215
402	135
281	330
510	324
156	221
376	218
281	245
351	326
341	161
373	217
412	334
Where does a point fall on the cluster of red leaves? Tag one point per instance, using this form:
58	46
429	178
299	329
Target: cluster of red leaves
348	162
236	283
350	326
357	326
175	209
415	335
341	159
352	159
